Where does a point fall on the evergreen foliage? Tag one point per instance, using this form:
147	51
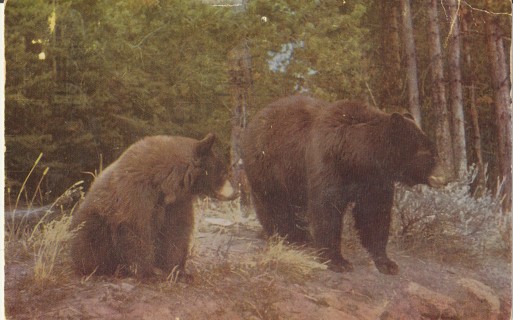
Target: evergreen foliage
114	71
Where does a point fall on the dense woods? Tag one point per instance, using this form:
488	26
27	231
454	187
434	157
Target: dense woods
87	78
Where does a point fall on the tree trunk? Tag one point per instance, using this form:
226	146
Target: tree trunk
443	129
411	62
241	82
456	96
391	77
480	184
502	101
511	110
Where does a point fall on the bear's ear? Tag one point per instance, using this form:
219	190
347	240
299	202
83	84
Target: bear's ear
409	116
203	146
396	118
397	124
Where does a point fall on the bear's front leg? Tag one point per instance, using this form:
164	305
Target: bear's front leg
325	213
372	213
136	249
92	250
174	239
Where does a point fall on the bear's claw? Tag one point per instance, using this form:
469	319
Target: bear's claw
340	265
386	266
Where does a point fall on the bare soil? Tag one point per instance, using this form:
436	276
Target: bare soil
230	283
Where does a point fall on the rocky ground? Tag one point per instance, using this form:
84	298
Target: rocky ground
238	277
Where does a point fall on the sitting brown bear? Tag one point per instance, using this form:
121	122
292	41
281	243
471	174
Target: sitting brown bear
307	160
138	215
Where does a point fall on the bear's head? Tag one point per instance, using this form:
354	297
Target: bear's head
211	176
415	155
201	172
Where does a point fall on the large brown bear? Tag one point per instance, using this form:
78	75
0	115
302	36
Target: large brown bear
137	217
307	160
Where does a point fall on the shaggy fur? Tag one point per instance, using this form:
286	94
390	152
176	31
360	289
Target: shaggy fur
307	160
138	214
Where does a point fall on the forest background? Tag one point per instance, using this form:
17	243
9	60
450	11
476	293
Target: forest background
85	79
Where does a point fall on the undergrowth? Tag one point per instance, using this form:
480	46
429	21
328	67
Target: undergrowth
292	260
41	233
446	221
16	227
274	257
451	220
49	248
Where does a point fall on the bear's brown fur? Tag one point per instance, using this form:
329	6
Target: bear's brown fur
308	160
137	216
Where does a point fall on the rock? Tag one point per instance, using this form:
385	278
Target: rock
433	304
483	293
437	299
126	286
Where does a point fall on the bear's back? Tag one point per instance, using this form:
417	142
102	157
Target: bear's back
284	123
294	114
156	151
354	112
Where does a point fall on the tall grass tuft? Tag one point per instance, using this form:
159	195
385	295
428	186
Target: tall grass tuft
16	226
288	259
41	233
49	242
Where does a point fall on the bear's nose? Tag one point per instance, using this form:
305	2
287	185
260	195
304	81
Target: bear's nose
226	192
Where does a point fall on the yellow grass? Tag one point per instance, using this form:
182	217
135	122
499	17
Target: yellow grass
278	256
46	241
16	228
289	259
49	244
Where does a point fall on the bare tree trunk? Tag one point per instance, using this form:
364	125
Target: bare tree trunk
481	174
411	62
241	81
443	129
391	87
502	99
395	41
511	110
456	96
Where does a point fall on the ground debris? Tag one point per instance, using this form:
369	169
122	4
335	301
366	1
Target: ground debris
231	282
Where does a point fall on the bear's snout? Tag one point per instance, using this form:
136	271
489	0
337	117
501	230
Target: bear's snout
226	192
437	181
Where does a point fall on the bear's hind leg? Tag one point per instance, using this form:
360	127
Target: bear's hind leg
325	213
279	218
372	213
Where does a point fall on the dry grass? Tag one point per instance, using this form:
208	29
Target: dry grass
290	260
277	256
48	244
451	221
16	227
43	240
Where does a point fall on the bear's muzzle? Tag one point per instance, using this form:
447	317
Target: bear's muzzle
226	192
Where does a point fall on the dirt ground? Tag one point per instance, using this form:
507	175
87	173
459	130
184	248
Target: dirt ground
231	281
